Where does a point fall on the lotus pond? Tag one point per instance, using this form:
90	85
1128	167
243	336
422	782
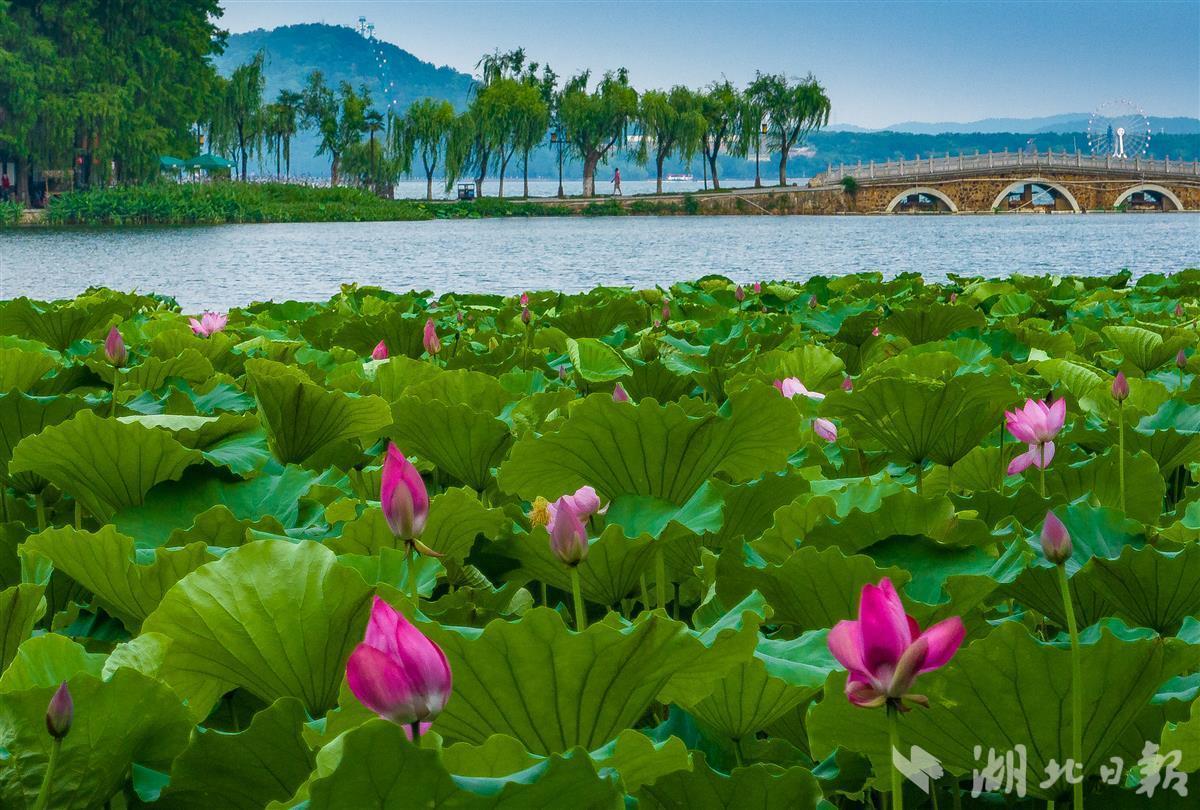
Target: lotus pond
786	546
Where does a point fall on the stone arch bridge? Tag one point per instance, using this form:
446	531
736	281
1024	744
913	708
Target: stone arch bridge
1016	182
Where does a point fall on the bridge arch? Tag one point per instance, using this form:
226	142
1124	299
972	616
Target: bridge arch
1162	191
926	190
1038	181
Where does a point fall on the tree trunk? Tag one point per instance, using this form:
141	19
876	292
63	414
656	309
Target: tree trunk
589	174
503	168
658	166
21	182
757	174
525	172
242	149
712	165
783	168
334	165
287	159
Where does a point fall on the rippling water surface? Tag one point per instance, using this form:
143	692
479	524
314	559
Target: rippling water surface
222	266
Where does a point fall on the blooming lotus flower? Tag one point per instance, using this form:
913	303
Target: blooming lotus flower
209	324
739	294
885	651
60	712
584	503
397	672
404	499
1056	540
568	536
1120	387
114	348
433	344
380	352
620	394
825	429
792	386
1036	425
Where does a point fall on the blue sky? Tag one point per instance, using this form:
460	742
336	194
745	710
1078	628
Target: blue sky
881	62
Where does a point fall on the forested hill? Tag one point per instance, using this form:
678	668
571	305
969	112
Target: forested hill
293	51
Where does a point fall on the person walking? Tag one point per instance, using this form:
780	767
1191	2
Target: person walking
5	186
616	181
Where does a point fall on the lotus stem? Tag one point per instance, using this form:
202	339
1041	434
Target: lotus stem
1000	482
43	798
920	478
738	757
645	593
577	595
411	567
893	716
1042	468
1121	451
660	577
545	596
416	733
1076	685
39	503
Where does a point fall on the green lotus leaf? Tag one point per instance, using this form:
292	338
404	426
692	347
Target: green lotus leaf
126	583
749	508
593	315
21	606
58	326
394	377
482	392
816	366
303	418
811	589
653	380
464	442
20	369
48	660
107	465
780	676
921	420
152	373
1149	587
588	685
237	621
230	440
211	771
1010	689
596	361
769	787
645	514
608	574
107	737
402	333
1185	738
374	767
1144	349
22	415
651	449
929	322
1098	479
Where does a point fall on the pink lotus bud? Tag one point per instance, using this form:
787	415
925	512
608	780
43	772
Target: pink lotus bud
812	301
1056	541
432	344
568	537
793	387
114	348
875	332
758	288
620	394
458	316
1120	387
562	372
953	298
403	496
825	429
658	324
1181	359
525	316
380	351
666	311
1178	309
739	294
847	384
60	712
885	650
209	323
524	299
396	671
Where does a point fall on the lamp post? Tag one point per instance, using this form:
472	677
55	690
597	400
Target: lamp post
556	139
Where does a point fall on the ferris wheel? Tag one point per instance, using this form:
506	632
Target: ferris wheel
1119	129
387	85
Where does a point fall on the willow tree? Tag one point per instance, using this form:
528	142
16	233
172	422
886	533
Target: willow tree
423	134
796	109
752	123
719	106
670	123
338	117
282	124
514	118
240	118
596	121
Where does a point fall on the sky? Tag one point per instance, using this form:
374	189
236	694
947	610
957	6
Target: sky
880	62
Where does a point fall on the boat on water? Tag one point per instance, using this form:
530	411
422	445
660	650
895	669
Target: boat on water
679	178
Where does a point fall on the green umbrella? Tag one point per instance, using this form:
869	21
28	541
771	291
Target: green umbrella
168	162
208	163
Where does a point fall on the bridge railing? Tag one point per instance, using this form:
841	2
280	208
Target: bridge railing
932	165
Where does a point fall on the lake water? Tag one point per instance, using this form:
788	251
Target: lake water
222	266
541	187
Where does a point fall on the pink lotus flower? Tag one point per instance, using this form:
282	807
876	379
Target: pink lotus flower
380	352
397	672
525	316
114	348
1181	359
60	712
847	384
739	294
792	386
1120	387
620	394
433	344
812	301
1036	425
209	324
953	298
1056	540
666	311
568	535
885	651
403	496
758	288
825	429
1178	309
875	332
524	299
583	503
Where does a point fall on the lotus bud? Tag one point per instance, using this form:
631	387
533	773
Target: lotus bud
403	496
758	288
812	301
562	372
825	429
1120	387
1056	541
953	298
568	537
875	332
847	384
1181	359
396	671
458	316
433	345
739	294
666	311
658	324
60	712
539	512
620	394
380	351
1178	309
525	316
114	348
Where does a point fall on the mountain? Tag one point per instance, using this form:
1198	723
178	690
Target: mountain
342	54
1068	122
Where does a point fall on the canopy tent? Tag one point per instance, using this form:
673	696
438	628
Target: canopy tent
208	163
166	162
